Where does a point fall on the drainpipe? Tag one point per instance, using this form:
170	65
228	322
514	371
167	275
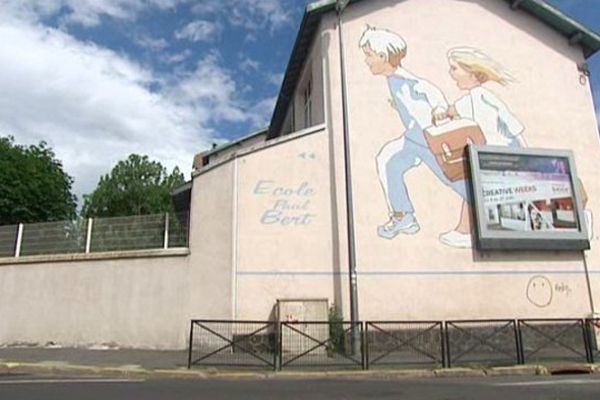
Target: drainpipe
340	5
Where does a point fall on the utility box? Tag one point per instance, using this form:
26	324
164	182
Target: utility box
305	325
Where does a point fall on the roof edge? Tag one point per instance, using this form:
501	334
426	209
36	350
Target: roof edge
235	142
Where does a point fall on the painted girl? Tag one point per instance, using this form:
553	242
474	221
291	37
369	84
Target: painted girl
471	69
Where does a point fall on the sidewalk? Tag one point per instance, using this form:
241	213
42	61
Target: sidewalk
146	359
173	364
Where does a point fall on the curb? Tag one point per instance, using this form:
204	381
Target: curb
518	370
459	372
136	371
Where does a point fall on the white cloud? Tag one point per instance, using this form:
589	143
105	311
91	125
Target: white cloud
151	43
199	31
177	57
211	90
262	111
275	78
95	106
249	65
250	14
84	12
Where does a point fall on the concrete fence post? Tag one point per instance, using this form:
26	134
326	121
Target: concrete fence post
88	236
19	240
166	239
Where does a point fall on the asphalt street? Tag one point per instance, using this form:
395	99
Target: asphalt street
32	387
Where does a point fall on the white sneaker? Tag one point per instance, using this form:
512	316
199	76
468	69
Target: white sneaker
456	239
589	223
407	225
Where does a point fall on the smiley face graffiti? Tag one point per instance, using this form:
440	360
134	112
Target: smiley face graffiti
539	291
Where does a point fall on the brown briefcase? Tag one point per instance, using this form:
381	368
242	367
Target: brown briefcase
449	140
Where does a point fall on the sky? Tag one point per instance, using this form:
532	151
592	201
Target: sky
101	79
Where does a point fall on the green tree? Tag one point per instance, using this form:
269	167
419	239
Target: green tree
33	185
135	186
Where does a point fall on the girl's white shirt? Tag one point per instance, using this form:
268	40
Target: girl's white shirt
499	125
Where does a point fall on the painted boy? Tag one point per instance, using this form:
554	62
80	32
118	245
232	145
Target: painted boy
416	101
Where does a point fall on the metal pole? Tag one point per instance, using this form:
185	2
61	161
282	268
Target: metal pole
340	6
191	340
19	240
166	238
588	283
88	236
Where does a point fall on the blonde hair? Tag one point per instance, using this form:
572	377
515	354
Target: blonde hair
481	65
384	42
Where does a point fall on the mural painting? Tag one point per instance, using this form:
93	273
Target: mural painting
436	132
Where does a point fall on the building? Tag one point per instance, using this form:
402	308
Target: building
268	213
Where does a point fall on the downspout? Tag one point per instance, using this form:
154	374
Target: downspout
355	337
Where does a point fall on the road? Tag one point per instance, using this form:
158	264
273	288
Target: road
32	387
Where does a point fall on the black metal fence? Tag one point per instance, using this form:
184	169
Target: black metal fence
321	344
396	344
233	343
564	340
593	326
482	342
410	344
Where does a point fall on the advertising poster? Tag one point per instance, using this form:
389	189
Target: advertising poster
526	193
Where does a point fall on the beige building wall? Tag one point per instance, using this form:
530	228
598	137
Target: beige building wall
284	225
211	241
417	276
136	303
261	229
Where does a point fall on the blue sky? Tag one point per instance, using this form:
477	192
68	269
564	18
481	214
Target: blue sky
100	79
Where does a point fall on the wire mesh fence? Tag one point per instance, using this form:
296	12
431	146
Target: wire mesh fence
321	344
138	232
128	233
404	344
492	342
233	343
61	237
593	326
178	229
8	240
554	340
395	344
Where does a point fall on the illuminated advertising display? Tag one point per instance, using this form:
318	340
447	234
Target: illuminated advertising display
526	199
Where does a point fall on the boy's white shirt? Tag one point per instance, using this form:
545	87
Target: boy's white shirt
434	96
496	121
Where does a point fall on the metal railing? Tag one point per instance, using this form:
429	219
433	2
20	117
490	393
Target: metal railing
233	343
593	327
554	340
93	235
319	344
397	344
410	344
492	342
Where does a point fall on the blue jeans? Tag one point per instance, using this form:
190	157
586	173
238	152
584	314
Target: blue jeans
397	157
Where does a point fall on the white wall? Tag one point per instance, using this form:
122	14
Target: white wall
137	303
